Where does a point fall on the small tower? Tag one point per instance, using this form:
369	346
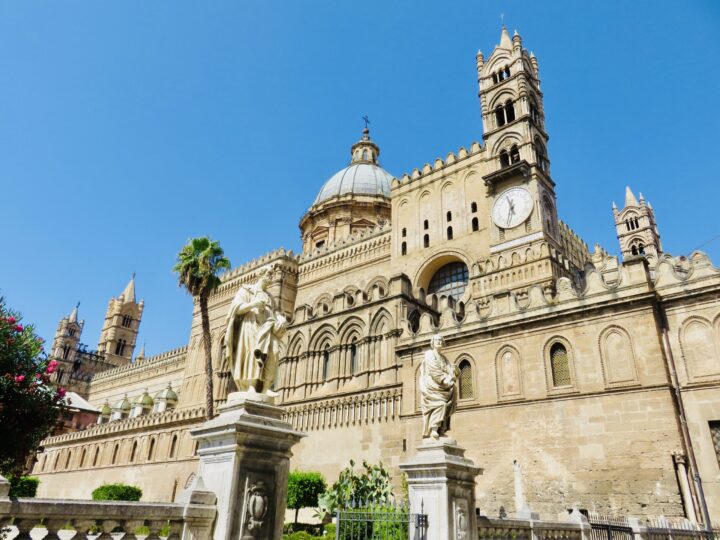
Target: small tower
637	230
121	326
65	345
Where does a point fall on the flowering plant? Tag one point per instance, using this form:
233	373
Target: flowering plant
29	404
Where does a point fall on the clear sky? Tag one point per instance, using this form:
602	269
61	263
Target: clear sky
128	127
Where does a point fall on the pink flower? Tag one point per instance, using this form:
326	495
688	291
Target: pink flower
61	392
11	320
19	328
19	378
38	375
51	367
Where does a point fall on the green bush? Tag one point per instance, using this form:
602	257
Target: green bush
304	488
301	535
371	486
330	530
117	492
23	486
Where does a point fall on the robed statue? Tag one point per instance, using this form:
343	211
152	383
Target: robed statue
253	337
438	390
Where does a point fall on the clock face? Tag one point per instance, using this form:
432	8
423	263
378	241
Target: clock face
512	207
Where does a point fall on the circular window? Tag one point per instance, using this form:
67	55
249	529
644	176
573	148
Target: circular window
450	280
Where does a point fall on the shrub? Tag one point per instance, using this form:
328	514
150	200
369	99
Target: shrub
330	530
23	486
301	535
304	488
117	492
351	489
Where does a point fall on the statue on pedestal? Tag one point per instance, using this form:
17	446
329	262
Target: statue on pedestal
438	390
253	337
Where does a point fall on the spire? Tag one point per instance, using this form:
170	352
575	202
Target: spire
129	292
630	199
505	42
141	354
365	150
74	313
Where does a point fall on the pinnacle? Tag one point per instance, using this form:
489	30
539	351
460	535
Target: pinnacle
129	292
630	199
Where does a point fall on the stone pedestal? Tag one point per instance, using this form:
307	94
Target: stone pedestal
244	459
441	480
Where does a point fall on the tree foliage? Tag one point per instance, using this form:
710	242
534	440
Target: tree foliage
198	266
29	405
304	488
116	492
370	487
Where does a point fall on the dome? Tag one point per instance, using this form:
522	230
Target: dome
145	400
123	404
357	179
168	394
364	175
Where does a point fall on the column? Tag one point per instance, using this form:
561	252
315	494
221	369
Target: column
244	460
441	480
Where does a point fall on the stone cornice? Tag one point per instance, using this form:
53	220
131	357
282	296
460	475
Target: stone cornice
148	422
144	364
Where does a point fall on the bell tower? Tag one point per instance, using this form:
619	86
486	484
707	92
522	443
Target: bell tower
121	326
636	228
65	345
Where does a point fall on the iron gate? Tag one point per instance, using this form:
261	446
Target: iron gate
610	528
381	522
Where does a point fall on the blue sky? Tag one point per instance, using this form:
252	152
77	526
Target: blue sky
128	127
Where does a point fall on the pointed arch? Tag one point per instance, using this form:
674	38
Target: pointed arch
700	349
466	380
508	373
381	322
617	356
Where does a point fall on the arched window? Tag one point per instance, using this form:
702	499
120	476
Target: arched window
404	232
466	383
426	240
634	249
133	452
637	223
426	224
115	454
326	363
66	352
353	357
403	248
97	455
449	233
475	224
365	155
504	159
414	320
509	111
473	207
448	216
173	446
127	321
151	449
500	116
514	154
507	72
494	78
120	347
641	248
450	280
560	365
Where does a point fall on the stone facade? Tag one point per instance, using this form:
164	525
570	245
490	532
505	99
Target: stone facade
581	367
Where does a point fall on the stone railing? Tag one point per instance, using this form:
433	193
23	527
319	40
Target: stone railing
522	529
190	519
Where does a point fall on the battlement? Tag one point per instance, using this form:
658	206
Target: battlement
167	356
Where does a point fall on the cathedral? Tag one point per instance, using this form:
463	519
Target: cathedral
599	375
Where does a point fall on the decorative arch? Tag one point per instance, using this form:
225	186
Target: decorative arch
506	142
501	98
559	368
617	356
323	335
381	322
466	380
351	327
379	282
323	304
432	264
296	345
699	344
508	373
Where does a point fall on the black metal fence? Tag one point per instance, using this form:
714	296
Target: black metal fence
381	522
610	528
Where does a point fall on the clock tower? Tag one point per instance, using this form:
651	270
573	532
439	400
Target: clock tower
528	244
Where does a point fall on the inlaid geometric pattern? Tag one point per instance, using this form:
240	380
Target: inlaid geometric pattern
715	434
560	365
466	387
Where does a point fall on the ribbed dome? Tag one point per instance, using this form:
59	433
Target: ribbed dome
358	178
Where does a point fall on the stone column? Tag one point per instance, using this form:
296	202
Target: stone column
441	481
680	464
244	459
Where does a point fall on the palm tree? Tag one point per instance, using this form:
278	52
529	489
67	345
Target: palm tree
198	266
